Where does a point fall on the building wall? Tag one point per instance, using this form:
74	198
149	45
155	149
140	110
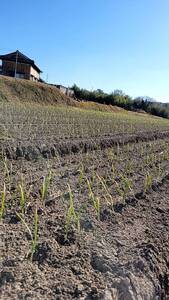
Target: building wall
70	93
63	89
26	71
34	75
67	91
8	69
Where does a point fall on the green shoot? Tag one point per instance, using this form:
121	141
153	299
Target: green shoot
108	195
3	200
126	185
97	207
45	186
26	225
95	200
77	220
71	213
34	236
148	182
7	171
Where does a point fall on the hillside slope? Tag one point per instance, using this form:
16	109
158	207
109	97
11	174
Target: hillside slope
27	91
21	90
24	90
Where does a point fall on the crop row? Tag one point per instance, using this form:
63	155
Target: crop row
79	184
32	122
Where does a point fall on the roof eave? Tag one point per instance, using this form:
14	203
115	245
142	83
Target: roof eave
30	61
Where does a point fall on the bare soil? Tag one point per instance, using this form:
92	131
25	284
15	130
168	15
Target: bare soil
51	147
122	255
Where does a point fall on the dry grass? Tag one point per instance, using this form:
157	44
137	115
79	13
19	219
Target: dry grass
20	90
27	91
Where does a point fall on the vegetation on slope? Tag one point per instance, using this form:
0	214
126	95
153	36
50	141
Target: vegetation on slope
120	99
27	91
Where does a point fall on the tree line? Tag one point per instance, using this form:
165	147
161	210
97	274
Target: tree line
119	98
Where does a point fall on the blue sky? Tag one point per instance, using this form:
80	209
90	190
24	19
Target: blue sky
107	44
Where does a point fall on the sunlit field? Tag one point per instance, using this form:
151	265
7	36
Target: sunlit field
32	122
55	200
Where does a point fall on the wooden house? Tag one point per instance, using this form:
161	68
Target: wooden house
18	65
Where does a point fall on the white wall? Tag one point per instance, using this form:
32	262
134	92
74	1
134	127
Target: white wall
34	73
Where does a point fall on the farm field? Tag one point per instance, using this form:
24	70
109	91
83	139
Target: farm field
84	204
47	130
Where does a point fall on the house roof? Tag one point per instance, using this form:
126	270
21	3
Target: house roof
21	58
61	86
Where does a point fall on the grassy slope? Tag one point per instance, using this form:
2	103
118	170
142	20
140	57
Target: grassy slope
26	91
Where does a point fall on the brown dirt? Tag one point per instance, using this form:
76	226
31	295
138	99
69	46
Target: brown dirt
51	148
124	255
121	255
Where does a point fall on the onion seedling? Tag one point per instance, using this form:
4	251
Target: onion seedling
3	200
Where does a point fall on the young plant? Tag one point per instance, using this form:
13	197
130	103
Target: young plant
71	214
22	197
45	186
7	171
129	167
108	198
119	190
148	182
34	235
3	200
113	170
110	155
77	220
97	207
126	185
95	200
